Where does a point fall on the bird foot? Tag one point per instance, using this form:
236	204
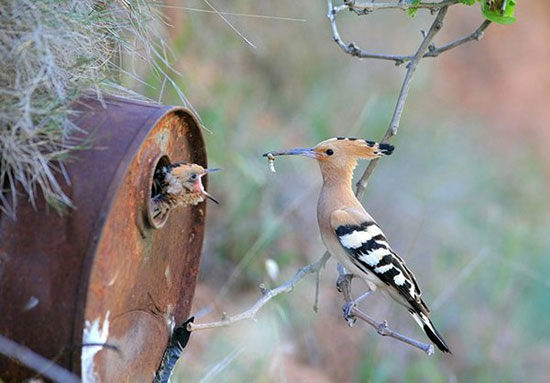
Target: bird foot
342	281
348	314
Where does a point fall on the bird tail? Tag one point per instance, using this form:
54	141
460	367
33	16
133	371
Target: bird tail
426	324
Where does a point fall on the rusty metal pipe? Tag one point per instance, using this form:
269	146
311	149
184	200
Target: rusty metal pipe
104	260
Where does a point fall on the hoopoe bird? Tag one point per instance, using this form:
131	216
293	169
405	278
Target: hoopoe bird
178	184
352	236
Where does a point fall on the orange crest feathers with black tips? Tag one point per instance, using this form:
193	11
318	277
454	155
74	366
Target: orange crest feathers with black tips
356	147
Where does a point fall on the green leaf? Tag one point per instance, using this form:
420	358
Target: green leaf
468	2
412	10
499	11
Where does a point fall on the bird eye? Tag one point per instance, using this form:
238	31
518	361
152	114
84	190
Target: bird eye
330	152
194	177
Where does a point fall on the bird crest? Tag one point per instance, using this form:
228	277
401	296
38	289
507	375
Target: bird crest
354	147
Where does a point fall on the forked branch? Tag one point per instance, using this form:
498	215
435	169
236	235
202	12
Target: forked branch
475	35
426	49
403	93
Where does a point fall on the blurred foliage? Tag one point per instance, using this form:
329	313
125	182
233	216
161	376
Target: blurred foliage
498	11
463	208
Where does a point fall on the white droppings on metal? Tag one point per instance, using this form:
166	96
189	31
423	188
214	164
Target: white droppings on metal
163	138
168	275
92	333
169	317
113	279
32	303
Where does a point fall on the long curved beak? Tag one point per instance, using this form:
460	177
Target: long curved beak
308	152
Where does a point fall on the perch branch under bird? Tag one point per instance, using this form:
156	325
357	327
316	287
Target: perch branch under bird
178	184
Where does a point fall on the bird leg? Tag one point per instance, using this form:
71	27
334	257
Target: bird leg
343	282
348	314
363	296
343	285
351	303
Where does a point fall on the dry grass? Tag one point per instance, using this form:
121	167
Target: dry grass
52	51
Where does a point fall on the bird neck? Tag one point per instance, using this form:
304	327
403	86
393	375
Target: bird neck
338	174
337	189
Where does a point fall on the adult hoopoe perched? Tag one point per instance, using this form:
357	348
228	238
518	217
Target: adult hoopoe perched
178	184
351	234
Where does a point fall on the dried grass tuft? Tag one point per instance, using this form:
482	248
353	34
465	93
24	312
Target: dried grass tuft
51	52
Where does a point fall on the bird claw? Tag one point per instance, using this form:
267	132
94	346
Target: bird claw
348	315
342	280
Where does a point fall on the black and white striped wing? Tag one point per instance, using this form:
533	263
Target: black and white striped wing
369	251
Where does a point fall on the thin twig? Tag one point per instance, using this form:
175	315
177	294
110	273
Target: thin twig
36	362
324	259
219	367
475	35
365	8
396	118
371	6
456	282
228	23
259	242
352	48
251	15
383	329
267	295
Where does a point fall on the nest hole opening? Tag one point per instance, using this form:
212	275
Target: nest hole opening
155	219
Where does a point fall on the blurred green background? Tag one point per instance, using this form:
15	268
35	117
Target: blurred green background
464	199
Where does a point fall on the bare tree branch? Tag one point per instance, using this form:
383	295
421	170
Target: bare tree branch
396	119
475	35
344	284
267	295
36	362
352	48
365	8
362	8
383	329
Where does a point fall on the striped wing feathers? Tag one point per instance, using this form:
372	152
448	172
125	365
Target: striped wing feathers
369	250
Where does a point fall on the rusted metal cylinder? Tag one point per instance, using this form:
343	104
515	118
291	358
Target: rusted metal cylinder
103	266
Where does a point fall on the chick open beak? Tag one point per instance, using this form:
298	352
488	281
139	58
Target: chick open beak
308	152
204	192
210	197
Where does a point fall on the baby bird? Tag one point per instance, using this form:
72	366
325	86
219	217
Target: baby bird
352	236
178	184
